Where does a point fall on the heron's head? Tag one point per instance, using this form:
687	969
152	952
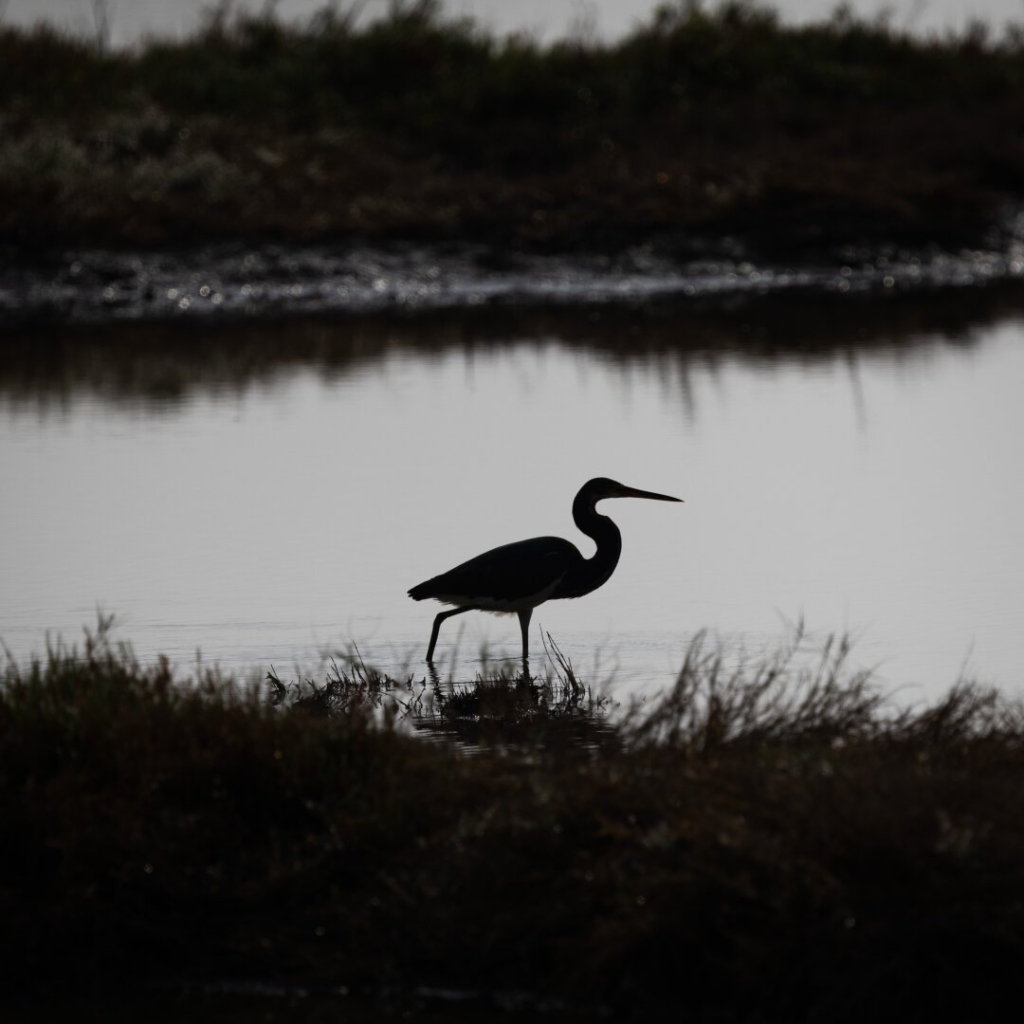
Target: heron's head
601	487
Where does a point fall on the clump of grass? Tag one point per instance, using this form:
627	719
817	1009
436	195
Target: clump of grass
354	688
784	698
506	710
500	708
769	841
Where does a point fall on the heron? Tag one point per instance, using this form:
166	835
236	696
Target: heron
516	578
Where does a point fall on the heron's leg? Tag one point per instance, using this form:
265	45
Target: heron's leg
441	616
524	625
435	679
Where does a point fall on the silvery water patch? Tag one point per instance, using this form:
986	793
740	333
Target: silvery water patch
235	280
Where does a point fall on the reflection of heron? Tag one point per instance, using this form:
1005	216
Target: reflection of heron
518	577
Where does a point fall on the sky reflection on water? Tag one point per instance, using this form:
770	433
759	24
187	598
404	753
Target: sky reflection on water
876	492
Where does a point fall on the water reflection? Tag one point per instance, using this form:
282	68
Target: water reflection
269	491
162	364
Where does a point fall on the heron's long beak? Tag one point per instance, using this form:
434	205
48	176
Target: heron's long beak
633	492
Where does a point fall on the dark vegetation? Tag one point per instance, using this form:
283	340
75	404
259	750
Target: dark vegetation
703	121
769	841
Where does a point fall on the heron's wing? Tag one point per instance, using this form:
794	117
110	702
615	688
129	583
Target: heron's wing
507	575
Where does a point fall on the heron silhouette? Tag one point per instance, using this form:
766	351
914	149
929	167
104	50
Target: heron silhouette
515	578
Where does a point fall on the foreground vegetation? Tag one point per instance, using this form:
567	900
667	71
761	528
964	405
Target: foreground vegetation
767	842
704	120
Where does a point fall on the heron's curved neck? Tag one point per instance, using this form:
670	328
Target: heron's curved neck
592	572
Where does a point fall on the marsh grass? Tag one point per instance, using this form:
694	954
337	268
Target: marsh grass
502	707
715	118
771	840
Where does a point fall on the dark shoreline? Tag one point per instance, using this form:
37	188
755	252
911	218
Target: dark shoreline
166	361
355	277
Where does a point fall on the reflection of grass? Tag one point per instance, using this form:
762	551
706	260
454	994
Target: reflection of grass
164	363
765	842
704	118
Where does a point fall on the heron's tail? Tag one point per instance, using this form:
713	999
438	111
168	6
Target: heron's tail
422	591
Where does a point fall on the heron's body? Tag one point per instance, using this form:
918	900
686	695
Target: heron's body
517	577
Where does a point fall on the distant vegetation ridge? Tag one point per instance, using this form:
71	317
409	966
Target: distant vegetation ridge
704	121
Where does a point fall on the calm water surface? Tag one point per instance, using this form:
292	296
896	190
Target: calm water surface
275	515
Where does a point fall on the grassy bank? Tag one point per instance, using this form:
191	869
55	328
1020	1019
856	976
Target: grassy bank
761	845
704	120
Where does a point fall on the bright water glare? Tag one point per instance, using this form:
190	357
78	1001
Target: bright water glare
270	521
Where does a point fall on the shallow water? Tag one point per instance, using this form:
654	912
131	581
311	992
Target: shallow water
223	281
265	493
